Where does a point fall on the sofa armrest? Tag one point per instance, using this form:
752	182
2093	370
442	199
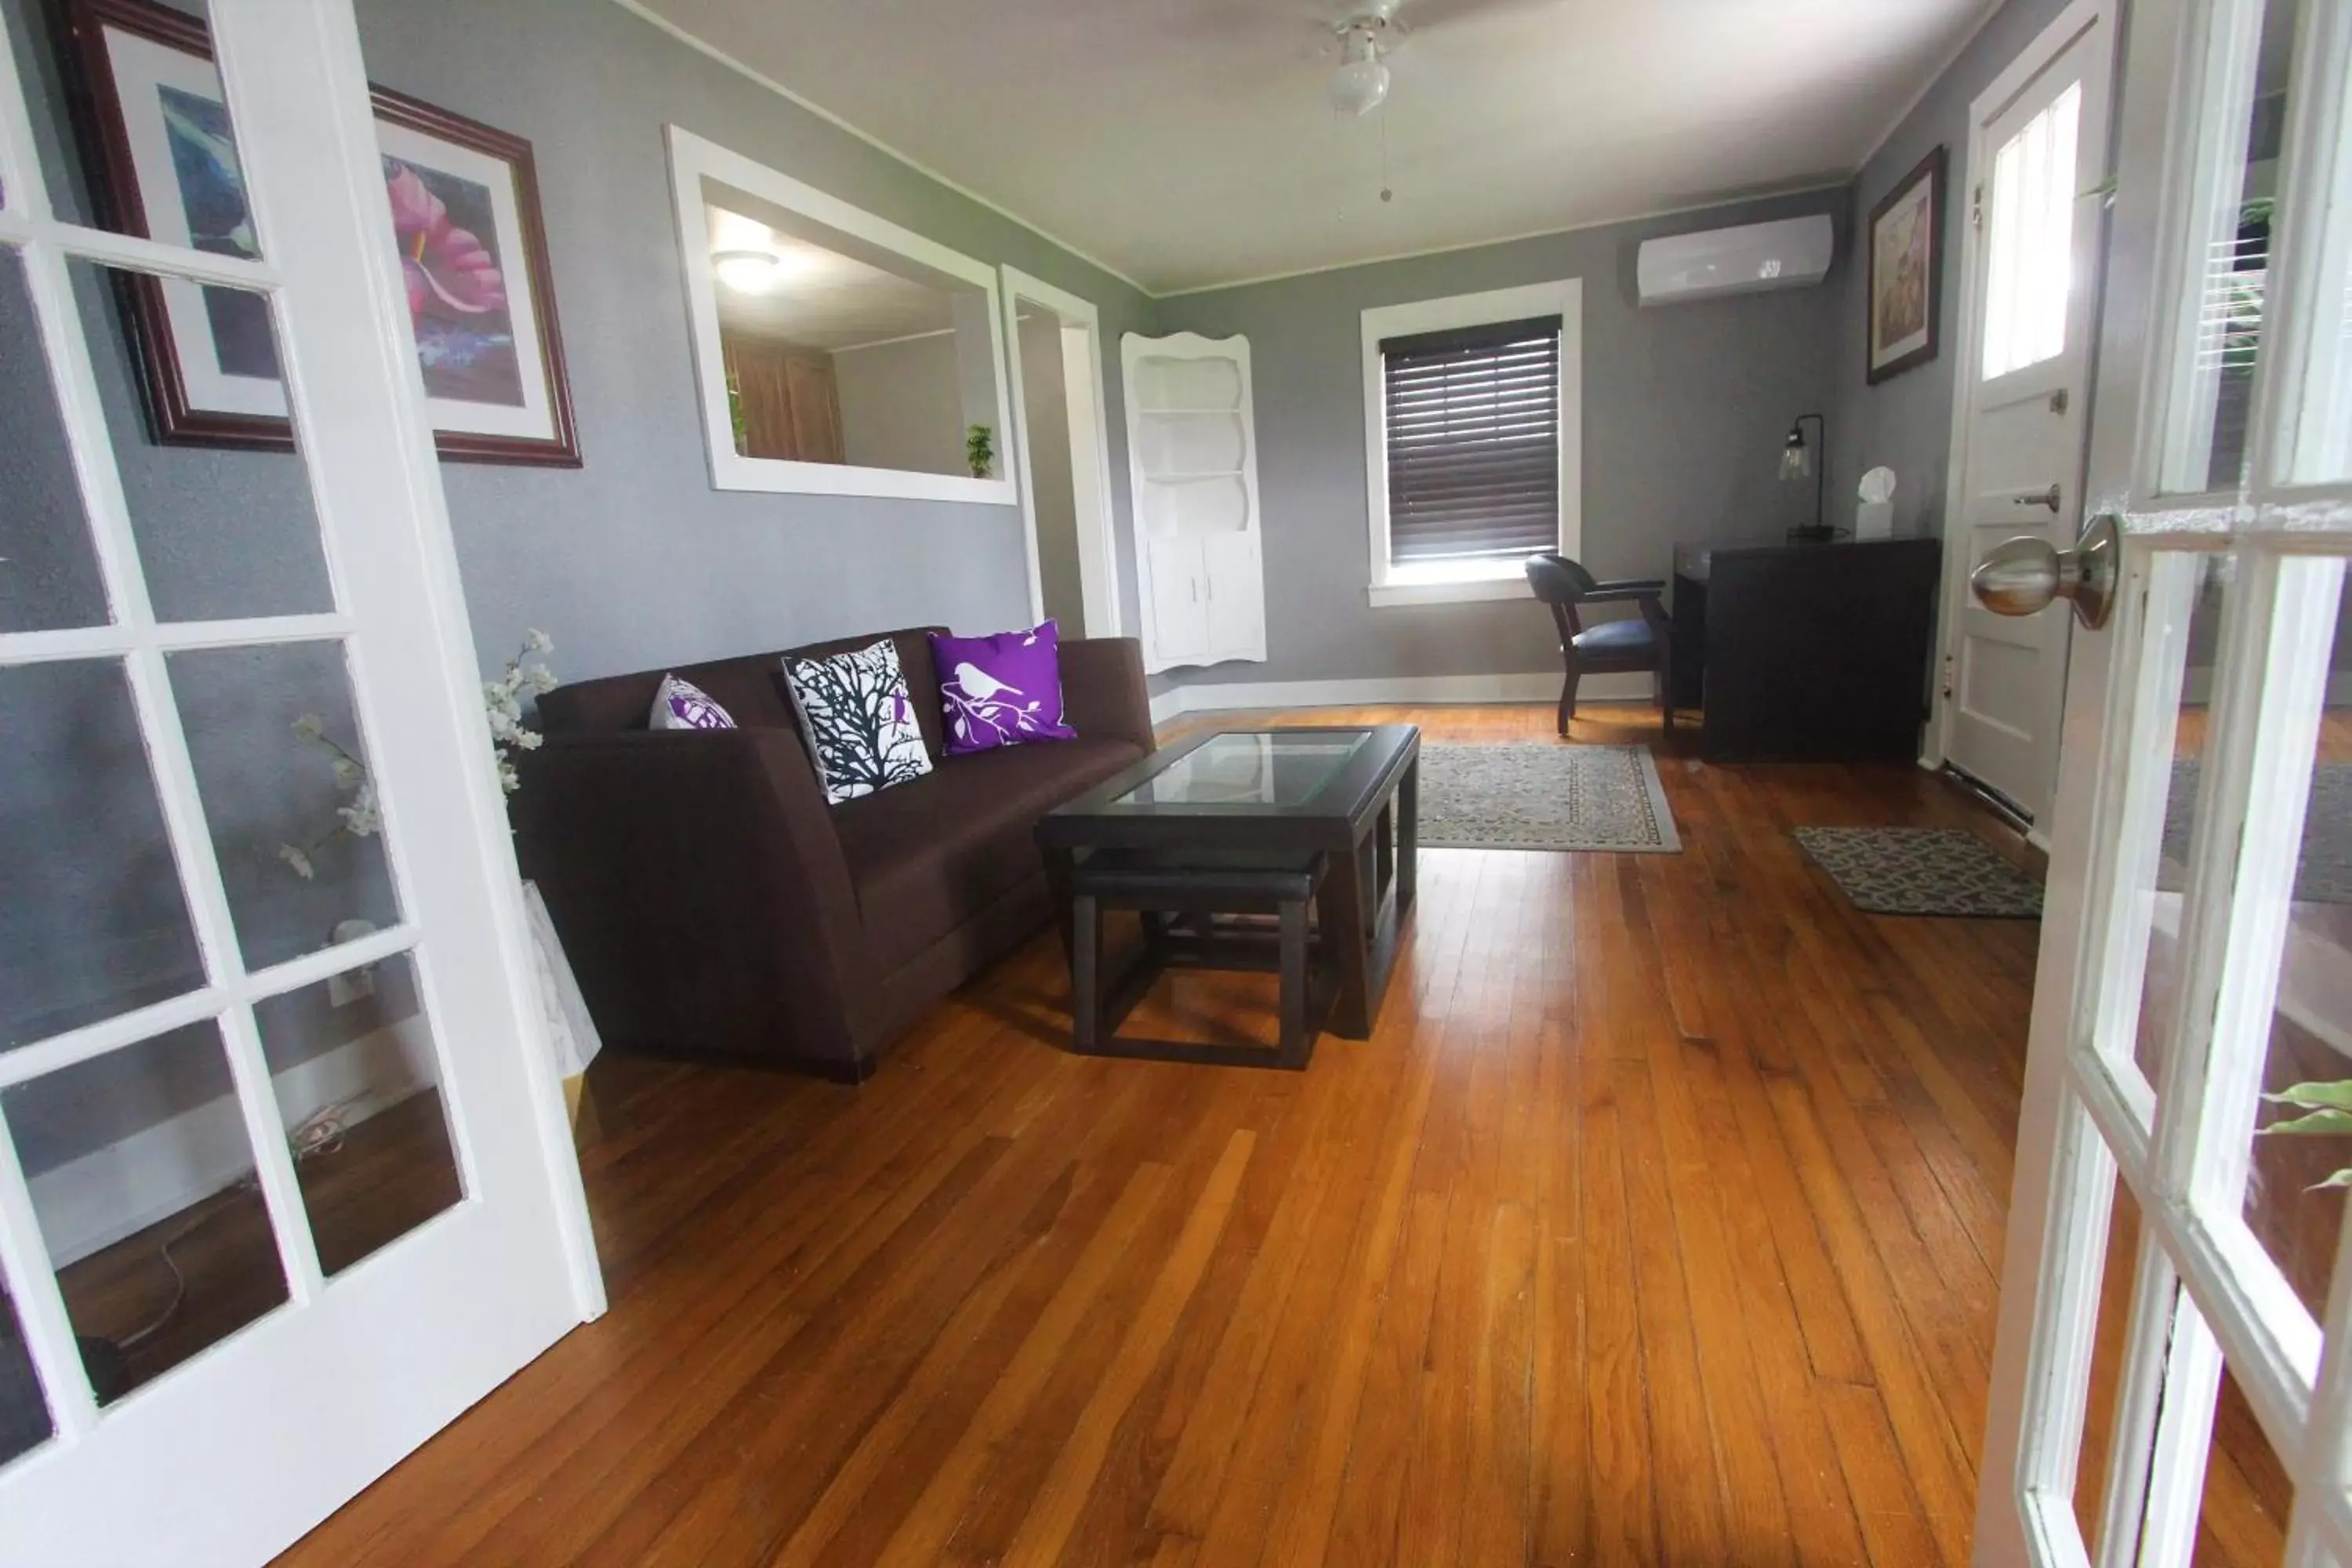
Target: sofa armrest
1104	696
700	891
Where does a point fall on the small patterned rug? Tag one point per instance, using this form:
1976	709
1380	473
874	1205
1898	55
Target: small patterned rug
1943	871
2324	873
1544	796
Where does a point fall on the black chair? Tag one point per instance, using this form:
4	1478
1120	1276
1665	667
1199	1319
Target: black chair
1606	647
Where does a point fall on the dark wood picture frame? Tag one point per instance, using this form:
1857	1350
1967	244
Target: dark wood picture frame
172	418
1932	171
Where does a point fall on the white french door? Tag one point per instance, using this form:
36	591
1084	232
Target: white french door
2031	258
285	1182
2173	1376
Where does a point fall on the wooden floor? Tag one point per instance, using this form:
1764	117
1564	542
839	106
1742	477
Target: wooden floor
1660	1222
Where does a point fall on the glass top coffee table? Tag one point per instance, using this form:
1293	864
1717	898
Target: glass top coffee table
1350	794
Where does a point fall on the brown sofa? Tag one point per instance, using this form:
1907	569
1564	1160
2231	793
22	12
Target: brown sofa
713	905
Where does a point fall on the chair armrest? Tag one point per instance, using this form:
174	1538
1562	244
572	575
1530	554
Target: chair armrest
1624	590
700	891
1103	696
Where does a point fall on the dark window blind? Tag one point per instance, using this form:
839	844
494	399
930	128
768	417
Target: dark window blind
1474	441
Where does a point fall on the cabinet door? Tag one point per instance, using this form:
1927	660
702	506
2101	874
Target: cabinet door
1180	609
1232	592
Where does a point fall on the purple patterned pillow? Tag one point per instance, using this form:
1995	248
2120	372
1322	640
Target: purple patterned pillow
682	705
1001	690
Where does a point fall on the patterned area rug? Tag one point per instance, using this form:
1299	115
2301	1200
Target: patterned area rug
2323	874
1543	795
1922	871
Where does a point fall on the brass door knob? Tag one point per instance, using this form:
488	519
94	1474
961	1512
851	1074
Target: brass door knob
2021	576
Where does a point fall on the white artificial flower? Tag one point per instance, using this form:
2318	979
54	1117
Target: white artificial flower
349	774
542	680
508	780
296	858
528	740
311	727
537	641
361	818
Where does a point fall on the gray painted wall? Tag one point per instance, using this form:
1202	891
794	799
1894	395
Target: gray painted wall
1685	408
1045	397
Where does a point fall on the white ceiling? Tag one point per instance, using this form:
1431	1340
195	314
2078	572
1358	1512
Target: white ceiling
1188	142
823	300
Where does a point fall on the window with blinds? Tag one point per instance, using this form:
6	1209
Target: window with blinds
1472	426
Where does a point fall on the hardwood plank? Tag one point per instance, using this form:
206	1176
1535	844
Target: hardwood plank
1657	1223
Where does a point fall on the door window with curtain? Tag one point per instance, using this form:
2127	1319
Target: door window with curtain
1472	428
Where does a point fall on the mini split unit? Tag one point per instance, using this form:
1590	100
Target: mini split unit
1791	254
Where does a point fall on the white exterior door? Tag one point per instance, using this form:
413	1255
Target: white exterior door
2171	1379
285	1183
2038	142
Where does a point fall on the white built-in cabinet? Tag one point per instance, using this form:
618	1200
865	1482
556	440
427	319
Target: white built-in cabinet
1191	445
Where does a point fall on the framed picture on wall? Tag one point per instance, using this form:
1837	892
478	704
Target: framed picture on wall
1907	271
465	210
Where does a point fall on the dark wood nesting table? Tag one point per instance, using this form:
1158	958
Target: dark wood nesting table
1350	794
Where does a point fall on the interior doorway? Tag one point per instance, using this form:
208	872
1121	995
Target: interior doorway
2030	261
1062	455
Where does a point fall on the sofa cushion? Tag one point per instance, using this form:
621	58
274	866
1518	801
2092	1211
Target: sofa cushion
925	856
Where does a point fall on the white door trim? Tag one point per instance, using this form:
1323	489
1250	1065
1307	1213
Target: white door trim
1098	545
2063	31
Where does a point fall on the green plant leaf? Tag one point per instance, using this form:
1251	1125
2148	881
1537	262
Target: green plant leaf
2342	1178
2318	1124
2314	1096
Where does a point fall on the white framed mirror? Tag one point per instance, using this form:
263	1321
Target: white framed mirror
834	351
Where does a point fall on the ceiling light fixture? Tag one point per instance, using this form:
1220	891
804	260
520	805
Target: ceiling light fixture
1361	83
748	271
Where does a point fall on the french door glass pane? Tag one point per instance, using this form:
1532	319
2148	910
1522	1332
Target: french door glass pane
157	146
94	923
2288	1206
2233	274
49	573
223	532
2325	451
25	1423
2242	1521
2108	1347
143	1180
284	773
2158	874
358	1084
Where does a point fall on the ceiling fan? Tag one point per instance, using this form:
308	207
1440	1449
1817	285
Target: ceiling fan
1370	30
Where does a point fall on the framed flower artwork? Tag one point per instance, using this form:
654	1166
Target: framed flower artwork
1907	271
465	212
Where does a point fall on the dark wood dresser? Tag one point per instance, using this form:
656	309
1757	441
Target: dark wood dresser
1805	652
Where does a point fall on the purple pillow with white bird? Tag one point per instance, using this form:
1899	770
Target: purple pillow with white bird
1001	690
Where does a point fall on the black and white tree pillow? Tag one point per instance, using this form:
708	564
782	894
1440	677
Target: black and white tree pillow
859	725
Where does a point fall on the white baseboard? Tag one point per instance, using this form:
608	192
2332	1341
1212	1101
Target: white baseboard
1392	690
92	1203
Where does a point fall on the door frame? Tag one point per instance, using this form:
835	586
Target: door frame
1097	544
2098	105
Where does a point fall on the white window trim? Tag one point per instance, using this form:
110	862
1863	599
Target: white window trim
693	159
1394	586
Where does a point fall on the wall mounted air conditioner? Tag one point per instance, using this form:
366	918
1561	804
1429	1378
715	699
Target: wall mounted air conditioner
1793	253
